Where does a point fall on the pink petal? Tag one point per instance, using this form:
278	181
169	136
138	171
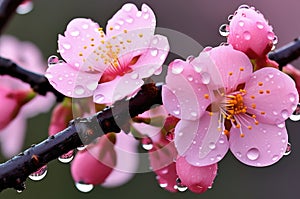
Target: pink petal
269	108
167	176
72	82
262	146
130	18
197	179
200	142
116	89
126	148
231	66
77	47
183	94
12	137
153	57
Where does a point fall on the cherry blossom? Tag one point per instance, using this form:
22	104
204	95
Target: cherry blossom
223	104
111	65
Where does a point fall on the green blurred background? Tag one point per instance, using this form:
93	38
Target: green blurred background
199	19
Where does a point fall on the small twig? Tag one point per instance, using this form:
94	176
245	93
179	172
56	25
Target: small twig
7	9
287	53
14	172
38	83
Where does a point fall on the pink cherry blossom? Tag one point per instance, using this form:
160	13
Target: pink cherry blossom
294	73
250	33
94	164
197	179
28	56
108	66
217	95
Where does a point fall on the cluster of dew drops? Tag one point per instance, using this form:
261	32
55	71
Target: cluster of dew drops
224	28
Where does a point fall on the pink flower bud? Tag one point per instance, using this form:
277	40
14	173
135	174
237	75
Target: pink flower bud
197	179
60	117
250	33
11	103
94	164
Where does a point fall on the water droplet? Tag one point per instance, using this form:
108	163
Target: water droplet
67	157
238	154
25	7
177	68
247	35
138	14
154	52
92	85
212	145
81	148
129	20
39	174
84	187
134	75
230	17
75	33
147	143
288	149
205	78
221	141
190	58
52	60
190	78
163	185
285	114
224	30
259	25
180	186
296	114
85	26
241	23
79	90
170	135
275	40
207	49
253	154
270	35
67	46
127	7
197	68
146	16
99	98
244	6
176	112
275	157
194	114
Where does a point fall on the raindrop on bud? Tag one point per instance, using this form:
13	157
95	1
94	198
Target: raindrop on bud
39	174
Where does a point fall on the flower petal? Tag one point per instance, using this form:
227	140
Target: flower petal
233	66
130	18
12	137
184	93
200	142
71	82
263	145
153	57
120	87
263	90
81	38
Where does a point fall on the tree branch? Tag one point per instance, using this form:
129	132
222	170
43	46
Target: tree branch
38	83
14	172
7	9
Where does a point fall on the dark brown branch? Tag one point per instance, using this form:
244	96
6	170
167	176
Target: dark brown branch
287	53
38	83
7	9
14	172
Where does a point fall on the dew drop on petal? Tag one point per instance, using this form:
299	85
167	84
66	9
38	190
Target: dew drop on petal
241	23
134	76
84	187
180	186
270	35
177	69
154	52
163	185
205	78
155	41
275	40
92	85
253	154
190	58
176	112
39	174
127	7
81	148
247	35
244	6
85	26
288	149
190	78
129	20
224	30
75	33
229	18
52	60
147	143
66	46
170	136
79	90
67	157
259	25
296	114
275	157
99	98
285	114
212	145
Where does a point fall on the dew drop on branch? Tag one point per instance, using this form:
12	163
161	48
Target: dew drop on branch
67	157
39	174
